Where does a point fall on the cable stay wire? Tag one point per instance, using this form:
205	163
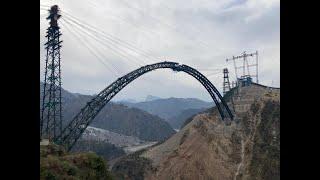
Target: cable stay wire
112	50
115	51
81	36
144	53
214	74
208	69
147	31
95	5
43	16
143	29
112	69
110	37
196	30
165	24
44	5
43	9
110	41
121	42
91	50
98	38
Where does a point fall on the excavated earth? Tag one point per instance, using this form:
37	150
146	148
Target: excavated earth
208	148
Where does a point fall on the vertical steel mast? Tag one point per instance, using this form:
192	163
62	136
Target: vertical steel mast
51	110
226	82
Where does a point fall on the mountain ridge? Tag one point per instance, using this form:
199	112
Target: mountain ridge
117	118
173	110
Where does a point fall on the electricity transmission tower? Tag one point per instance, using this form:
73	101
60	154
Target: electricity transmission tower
51	110
246	66
226	82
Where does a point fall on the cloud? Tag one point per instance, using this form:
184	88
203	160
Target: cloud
199	33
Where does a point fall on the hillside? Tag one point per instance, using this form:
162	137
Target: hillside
104	149
206	148
178	120
119	140
107	144
133	122
118	118
55	163
173	110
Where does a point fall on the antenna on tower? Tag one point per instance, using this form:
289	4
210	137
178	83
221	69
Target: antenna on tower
51	110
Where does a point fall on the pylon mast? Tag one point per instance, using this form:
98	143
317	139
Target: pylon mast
245	65
226	82
51	111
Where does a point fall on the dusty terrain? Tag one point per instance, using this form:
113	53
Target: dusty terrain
207	148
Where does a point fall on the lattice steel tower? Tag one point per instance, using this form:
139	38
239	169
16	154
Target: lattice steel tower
51	111
226	82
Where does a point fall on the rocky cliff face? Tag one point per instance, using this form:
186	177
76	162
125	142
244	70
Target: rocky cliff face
206	148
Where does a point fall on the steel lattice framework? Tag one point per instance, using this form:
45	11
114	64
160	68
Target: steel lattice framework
226	82
80	122
51	111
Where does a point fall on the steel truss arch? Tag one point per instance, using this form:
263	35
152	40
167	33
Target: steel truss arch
80	122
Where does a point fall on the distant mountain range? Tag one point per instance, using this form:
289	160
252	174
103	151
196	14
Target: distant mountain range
152	98
117	118
178	120
174	110
146	120
127	100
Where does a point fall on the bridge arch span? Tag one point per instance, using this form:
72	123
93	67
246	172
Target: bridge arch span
81	121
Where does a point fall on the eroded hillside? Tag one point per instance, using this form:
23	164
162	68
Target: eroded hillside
206	148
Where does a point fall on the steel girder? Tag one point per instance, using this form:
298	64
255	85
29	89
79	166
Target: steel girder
80	122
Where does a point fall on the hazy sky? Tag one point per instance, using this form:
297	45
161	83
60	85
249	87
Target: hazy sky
199	33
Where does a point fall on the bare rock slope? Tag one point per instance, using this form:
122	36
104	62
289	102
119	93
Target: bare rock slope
206	148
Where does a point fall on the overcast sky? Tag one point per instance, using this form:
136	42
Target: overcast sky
199	33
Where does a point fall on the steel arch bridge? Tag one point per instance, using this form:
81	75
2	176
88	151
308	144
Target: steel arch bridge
72	132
